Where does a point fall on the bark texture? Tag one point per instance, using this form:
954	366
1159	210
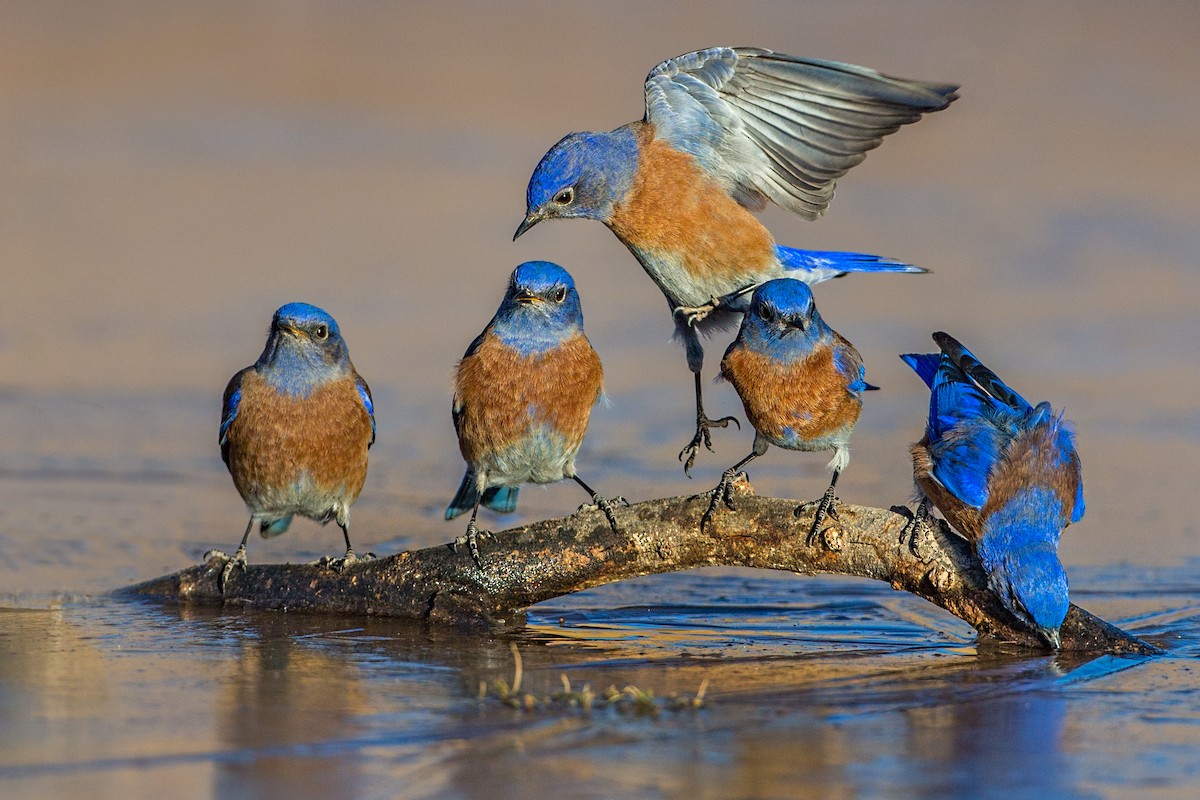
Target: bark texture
547	559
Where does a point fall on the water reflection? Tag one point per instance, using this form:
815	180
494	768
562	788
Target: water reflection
111	699
284	698
50	669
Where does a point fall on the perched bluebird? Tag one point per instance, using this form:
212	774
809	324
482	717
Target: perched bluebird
1006	476
295	428
523	395
800	381
726	130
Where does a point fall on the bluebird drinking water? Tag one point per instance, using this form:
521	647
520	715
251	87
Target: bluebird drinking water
1005	474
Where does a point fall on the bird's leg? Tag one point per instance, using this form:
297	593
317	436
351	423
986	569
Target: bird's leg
826	507
238	560
688	454
473	535
915	525
339	564
607	506
721	494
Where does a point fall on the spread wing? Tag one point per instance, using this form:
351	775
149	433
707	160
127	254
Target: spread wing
776	127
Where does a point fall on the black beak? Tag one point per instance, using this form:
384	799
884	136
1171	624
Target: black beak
1052	637
530	220
793	324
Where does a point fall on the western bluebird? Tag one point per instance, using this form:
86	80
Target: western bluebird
800	381
725	130
523	395
295	428
1005	474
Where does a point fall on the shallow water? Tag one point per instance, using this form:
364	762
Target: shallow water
170	174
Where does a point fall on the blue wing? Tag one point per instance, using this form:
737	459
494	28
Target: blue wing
964	440
364	392
776	127
970	368
849	364
229	410
456	407
1080	507
973	416
1066	445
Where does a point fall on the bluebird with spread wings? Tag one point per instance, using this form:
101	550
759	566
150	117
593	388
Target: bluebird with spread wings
800	381
523	396
725	131
1005	474
295	429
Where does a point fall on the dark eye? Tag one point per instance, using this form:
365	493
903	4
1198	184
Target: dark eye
767	313
565	197
560	294
321	333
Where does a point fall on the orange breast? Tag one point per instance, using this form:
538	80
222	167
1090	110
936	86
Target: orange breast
809	396
504	396
674	206
274	440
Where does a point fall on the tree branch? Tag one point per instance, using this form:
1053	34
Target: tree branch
547	559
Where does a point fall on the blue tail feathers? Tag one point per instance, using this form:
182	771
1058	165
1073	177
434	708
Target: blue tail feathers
501	499
274	527
828	264
924	364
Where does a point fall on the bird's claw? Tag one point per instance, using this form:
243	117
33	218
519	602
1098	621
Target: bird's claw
607	506
471	540
238	560
914	527
826	509
722	493
341	564
694	315
703	424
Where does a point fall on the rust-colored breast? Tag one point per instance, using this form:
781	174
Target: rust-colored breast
675	206
275	440
504	396
808	396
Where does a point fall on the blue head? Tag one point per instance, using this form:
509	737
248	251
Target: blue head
1019	551
304	349
782	320
582	176
540	308
1032	585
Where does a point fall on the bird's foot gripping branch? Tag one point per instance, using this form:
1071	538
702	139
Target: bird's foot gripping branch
555	557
